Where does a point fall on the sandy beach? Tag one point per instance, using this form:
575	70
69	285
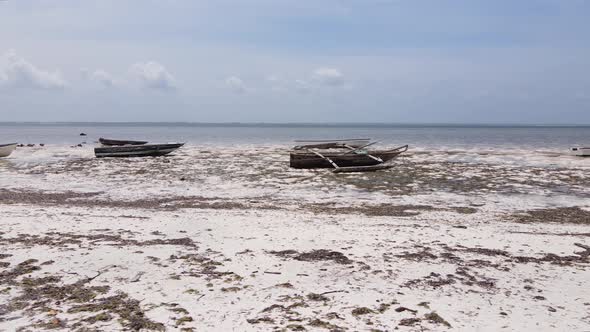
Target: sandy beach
229	238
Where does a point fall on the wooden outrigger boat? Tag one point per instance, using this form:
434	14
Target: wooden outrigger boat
6	149
118	142
347	159
148	150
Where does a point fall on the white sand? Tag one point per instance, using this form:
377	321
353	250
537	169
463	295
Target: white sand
239	241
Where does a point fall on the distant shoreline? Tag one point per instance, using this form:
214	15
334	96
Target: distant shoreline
292	125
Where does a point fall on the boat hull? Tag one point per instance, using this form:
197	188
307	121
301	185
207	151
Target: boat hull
151	150
7	149
581	151
117	142
310	160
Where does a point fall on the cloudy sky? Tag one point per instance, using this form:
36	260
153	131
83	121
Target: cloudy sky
456	61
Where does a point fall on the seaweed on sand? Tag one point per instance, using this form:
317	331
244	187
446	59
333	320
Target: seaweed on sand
563	215
39	295
323	255
131	315
314	255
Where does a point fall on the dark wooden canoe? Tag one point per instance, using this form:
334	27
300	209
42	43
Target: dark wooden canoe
118	142
149	150
307	159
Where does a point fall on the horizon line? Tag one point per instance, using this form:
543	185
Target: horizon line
309	124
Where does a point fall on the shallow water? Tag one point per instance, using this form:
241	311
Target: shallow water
554	139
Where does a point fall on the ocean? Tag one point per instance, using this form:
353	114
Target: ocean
545	138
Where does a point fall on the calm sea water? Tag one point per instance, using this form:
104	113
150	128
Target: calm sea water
419	136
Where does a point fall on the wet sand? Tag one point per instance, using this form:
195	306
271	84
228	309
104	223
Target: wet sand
206	242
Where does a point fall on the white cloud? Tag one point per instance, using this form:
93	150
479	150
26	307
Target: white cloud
302	86
99	76
328	76
17	72
153	75
235	84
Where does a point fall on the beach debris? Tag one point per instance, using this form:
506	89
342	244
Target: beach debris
372	210
333	315
260	320
402	309
130	313
36	294
585	253
461	275
424	304
433	317
102	317
284	285
137	277
424	254
295	327
273	307
562	215
317	297
314	255
183	320
57	239
361	311
325	325
230	289
409	321
323	255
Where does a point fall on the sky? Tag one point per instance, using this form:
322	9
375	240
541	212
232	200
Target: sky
390	61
